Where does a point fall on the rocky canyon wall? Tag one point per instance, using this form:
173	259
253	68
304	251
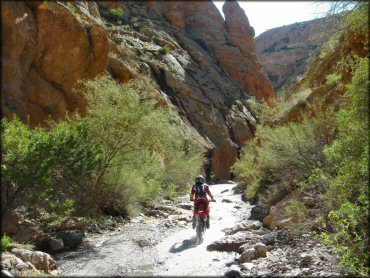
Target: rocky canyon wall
203	66
285	52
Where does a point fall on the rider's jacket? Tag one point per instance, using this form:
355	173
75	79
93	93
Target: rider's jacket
200	190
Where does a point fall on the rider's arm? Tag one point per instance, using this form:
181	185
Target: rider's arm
192	193
209	193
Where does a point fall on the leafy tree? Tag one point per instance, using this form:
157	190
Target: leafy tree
145	151
47	166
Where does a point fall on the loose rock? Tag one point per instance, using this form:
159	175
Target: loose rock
56	244
71	238
232	272
248	255
260	249
40	260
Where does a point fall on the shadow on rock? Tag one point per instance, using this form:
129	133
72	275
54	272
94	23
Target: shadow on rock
186	244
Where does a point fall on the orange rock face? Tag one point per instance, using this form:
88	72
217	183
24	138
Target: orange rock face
46	50
246	71
208	74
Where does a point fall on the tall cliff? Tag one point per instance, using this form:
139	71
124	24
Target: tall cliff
284	52
203	66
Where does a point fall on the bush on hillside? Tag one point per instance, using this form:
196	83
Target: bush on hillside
281	157
348	193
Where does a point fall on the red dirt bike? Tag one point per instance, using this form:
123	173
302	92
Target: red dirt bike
201	212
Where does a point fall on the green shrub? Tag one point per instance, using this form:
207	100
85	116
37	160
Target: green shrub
6	242
145	152
165	49
47	166
332	79
330	46
281	157
296	209
116	12
348	192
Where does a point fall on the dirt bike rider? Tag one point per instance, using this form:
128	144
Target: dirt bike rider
200	190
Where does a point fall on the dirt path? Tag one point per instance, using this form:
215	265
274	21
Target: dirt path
183	256
155	246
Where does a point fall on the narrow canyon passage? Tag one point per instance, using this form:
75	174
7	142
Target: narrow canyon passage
145	246
182	254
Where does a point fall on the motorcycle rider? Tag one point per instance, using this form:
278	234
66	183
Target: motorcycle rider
200	190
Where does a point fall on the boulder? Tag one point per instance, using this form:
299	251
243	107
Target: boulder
71	238
277	217
28	232
56	244
231	243
226	201
232	272
40	260
12	262
119	70
258	213
309	201
244	226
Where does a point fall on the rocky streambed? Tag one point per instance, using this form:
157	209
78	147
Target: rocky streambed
162	242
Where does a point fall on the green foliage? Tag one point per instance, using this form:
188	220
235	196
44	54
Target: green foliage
349	235
332	79
281	157
357	20
247	172
296	209
348	192
326	155
39	164
6	242
165	49
145	152
116	12
330	46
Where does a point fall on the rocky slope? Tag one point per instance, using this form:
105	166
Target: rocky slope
284	52
202	65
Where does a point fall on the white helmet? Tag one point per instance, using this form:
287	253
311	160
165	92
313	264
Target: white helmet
200	178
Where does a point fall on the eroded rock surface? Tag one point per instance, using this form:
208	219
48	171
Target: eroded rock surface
202	65
46	50
284	52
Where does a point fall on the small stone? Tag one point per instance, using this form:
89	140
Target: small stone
268	239
260	249
226	201
247	266
186	206
248	255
